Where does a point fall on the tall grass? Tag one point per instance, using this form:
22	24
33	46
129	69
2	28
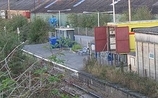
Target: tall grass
129	80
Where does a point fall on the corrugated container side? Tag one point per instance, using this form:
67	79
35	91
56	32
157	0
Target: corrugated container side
139	59
146	56
100	39
156	58
146	59
122	40
100	33
100	45
151	61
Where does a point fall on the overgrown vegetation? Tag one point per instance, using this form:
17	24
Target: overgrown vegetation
65	42
12	61
22	75
88	20
38	31
129	80
35	31
55	58
62	43
8	41
142	13
76	47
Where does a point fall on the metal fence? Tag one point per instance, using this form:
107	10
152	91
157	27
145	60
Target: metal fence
84	31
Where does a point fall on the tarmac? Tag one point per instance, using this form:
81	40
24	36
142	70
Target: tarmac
71	59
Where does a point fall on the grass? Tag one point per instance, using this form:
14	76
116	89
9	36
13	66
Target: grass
129	80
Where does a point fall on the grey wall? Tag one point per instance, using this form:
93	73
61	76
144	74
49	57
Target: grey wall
147	55
84	40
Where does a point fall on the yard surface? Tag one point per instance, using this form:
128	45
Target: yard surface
71	59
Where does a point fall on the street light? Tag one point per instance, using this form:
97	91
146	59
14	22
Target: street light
113	6
129	9
9	9
59	11
108	12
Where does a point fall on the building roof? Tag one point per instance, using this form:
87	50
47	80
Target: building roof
78	6
132	53
64	29
20	4
149	30
155	8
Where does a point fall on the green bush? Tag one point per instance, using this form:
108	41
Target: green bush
16	21
38	32
76	47
65	42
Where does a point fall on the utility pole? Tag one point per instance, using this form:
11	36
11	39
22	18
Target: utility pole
98	19
129	10
8	9
113	7
59	19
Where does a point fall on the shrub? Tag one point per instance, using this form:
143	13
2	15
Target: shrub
76	47
38	32
127	79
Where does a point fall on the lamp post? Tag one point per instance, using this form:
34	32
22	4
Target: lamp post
113	8
129	10
59	12
9	9
98	13
98	19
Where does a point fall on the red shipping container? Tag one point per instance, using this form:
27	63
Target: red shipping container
100	39
122	40
100	45
26	14
100	33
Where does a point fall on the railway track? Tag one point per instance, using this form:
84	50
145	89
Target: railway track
72	85
76	90
88	84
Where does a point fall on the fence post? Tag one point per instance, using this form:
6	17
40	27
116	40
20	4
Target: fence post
86	31
78	30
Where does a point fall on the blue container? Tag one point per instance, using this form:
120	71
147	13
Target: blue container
53	40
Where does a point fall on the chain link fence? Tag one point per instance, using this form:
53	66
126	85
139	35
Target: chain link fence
84	31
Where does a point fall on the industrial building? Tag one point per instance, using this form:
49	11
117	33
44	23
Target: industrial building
145	63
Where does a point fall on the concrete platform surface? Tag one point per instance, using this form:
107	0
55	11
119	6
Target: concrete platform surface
71	59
